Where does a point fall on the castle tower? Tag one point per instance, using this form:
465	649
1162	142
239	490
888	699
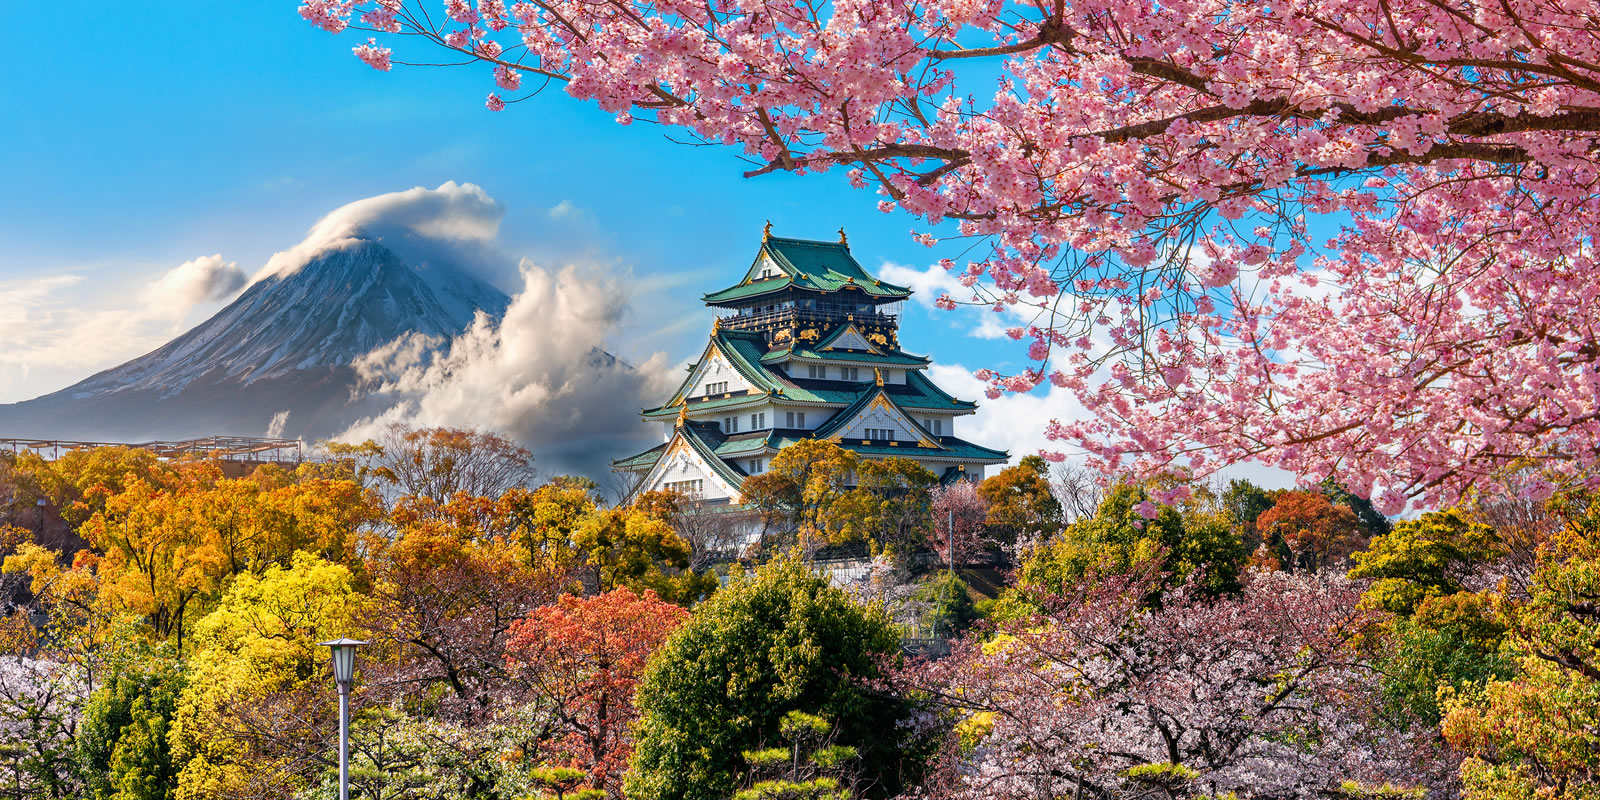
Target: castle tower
808	346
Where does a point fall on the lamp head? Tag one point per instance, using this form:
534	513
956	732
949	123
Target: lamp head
344	661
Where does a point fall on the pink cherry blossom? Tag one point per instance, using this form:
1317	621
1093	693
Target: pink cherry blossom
375	57
1359	230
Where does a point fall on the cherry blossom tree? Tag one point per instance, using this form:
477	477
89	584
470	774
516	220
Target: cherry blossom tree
1102	696
958	516
1350	238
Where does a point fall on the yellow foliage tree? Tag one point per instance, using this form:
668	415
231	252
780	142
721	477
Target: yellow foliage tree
259	687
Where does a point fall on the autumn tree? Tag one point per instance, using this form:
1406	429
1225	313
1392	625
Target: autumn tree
797	493
581	659
445	596
167	549
1314	532
440	462
635	548
252	718
1021	501
543	521
1535	734
889	506
711	529
1434	555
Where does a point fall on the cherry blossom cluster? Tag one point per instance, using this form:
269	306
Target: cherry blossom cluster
1350	238
1261	695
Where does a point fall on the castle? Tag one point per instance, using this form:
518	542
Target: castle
807	347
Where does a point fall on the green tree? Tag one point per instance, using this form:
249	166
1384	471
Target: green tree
1538	733
122	751
949	603
1426	557
1451	641
1244	502
1118	537
781	640
810	767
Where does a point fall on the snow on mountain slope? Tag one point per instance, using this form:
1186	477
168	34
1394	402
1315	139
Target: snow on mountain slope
286	344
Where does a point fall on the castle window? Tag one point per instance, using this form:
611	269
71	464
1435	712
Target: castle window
849	373
755	466
815	371
758	421
687	487
717	388
793	420
880	434
934	426
730	424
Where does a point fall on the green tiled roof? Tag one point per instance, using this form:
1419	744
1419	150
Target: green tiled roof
954	449
806	264
704	438
892	358
644	460
740	444
917	393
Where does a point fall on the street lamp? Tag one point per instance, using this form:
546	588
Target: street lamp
344	673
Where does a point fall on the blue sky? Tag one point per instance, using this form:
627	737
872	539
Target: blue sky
168	131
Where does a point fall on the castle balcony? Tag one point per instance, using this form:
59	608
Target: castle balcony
792	318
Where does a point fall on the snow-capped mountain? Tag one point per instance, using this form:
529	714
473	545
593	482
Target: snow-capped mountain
286	344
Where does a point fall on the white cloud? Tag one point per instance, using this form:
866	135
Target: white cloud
207	278
1016	422
541	376
60	325
276	426
458	215
1013	422
565	210
931	283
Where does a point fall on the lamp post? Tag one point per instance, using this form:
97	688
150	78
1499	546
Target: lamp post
344	673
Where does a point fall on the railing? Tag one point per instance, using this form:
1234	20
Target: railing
230	448
801	315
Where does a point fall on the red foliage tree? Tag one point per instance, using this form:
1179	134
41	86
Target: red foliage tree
1316	532
582	657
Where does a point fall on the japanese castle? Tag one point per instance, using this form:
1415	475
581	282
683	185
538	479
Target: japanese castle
807	347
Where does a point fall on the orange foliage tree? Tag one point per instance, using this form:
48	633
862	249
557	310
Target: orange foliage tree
582	659
1314	532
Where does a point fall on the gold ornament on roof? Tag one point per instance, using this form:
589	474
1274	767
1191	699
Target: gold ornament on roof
766	233
878	337
683	415
809	333
842	239
879	373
